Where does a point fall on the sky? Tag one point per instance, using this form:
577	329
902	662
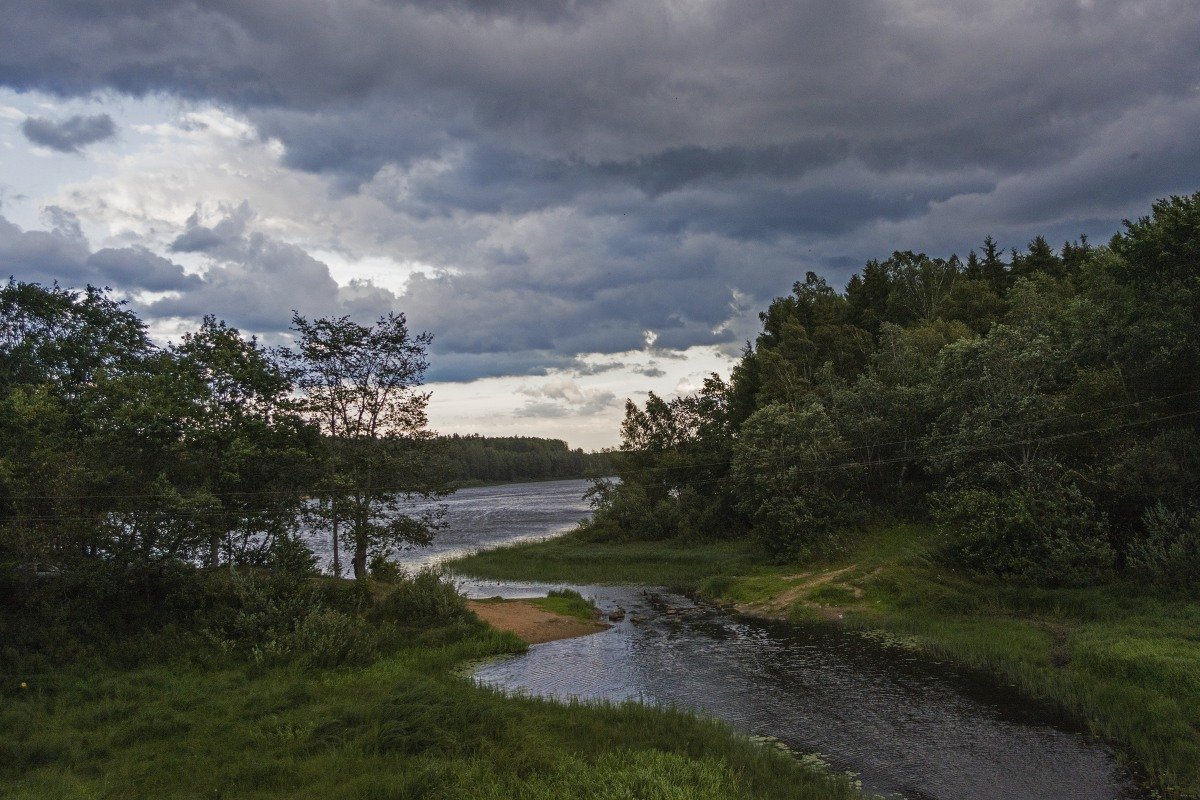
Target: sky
583	200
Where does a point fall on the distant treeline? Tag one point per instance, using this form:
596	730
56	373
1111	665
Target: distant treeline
1042	406
477	459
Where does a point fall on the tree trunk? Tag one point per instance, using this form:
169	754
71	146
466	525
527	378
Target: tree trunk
360	542
337	561
214	549
360	558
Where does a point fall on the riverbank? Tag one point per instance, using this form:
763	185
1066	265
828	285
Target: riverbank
204	723
1127	666
561	615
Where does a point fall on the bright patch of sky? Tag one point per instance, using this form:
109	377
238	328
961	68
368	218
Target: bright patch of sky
172	163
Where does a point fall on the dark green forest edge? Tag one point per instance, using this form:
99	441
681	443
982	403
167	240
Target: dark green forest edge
993	459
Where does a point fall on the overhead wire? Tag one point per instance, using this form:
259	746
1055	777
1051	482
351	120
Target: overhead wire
923	439
181	514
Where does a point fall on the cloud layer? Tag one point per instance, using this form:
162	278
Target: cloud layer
573	175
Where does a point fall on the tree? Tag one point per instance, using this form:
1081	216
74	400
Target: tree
789	469
248	446
868	296
1039	258
62	488
992	267
64	338
361	387
921	286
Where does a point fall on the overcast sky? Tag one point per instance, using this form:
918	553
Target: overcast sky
585	200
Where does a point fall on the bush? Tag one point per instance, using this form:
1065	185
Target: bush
1167	554
808	525
1046	533
384	570
423	598
626	512
290	559
328	638
92	609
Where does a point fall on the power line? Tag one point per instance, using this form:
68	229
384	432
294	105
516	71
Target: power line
925	440
959	451
179	514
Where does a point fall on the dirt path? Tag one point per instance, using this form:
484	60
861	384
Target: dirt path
780	605
531	623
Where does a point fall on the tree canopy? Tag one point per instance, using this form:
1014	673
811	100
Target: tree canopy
1043	408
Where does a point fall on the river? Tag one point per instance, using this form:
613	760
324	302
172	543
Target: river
905	724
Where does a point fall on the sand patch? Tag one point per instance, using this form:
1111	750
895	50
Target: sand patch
531	623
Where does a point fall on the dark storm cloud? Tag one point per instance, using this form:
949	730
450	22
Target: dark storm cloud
70	134
890	82
63	255
255	281
540	10
658	166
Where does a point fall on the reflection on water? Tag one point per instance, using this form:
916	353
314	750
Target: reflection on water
487	517
907	725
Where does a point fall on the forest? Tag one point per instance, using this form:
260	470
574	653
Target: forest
1039	406
475	459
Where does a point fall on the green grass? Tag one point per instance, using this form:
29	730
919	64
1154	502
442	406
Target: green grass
576	559
567	602
1126	665
405	726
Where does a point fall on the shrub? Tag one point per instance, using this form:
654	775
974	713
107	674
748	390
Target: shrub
290	559
813	524
1167	554
328	638
423	598
627	512
1045	533
385	570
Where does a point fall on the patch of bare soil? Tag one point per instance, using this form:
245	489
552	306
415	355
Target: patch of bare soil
532	624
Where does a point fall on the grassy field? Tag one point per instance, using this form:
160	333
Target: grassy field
1128	665
405	726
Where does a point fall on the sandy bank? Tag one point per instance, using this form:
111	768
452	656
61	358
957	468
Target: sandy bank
531	623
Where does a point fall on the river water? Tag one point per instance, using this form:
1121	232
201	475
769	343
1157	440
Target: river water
905	724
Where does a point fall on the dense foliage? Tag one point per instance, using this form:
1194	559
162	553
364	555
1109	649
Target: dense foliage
500	459
119	455
1042	406
115	452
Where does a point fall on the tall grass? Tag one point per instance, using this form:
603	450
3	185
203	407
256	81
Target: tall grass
205	725
567	602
